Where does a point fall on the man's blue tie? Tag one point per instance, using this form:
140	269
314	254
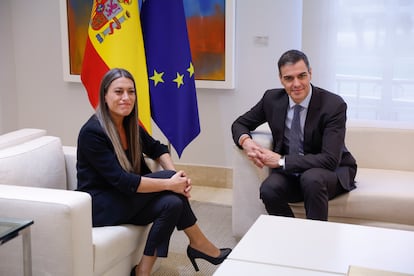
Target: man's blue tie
295	143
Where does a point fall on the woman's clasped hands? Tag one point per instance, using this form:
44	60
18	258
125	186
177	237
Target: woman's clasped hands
180	184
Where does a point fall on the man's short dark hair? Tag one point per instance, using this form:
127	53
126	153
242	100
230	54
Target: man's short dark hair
291	57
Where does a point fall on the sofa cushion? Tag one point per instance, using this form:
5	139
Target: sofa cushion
20	136
111	244
382	146
37	163
380	195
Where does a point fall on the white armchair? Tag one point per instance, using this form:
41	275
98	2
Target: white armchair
385	179
37	178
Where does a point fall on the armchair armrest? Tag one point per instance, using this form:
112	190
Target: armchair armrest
247	179
62	229
70	162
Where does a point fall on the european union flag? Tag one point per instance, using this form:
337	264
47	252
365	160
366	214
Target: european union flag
170	70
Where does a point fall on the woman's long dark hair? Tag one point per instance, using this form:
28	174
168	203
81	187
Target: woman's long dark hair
130	123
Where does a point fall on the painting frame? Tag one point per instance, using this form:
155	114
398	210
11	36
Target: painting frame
227	83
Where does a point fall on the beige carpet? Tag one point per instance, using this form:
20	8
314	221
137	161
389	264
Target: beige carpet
215	221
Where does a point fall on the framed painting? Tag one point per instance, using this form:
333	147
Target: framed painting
211	31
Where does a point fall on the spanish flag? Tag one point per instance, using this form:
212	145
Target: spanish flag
115	40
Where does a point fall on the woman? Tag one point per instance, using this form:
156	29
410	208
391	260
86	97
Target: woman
111	168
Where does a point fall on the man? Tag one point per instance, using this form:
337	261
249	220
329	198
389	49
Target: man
309	161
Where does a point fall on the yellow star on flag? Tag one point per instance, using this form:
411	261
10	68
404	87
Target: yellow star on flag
157	77
191	69
179	80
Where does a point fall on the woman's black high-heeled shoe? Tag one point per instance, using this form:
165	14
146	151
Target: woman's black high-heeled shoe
195	254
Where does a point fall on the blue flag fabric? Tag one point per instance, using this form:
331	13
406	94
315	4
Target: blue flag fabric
172	89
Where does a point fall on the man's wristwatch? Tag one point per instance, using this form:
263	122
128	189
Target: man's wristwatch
282	162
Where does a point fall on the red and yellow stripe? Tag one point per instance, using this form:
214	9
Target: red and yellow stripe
116	42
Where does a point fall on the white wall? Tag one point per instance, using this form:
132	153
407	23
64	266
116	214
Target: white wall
31	73
318	41
8	93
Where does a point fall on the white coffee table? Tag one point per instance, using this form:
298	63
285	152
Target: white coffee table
324	247
243	268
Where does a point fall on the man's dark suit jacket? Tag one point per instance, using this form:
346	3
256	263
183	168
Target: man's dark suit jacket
324	132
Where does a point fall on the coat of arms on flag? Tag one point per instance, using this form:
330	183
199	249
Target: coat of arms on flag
115	40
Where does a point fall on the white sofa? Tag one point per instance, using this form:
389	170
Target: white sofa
384	195
37	179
